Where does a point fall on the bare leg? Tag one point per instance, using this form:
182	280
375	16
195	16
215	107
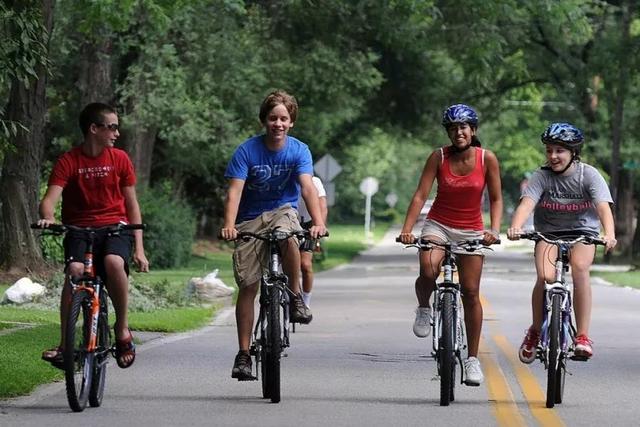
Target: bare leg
244	315
470	273
581	260
430	262
306	266
291	264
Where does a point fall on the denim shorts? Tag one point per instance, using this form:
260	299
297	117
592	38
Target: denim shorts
432	228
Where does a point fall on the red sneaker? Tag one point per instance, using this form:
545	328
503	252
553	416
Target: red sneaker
583	346
527	352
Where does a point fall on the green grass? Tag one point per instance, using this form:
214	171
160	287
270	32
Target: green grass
21	369
628	278
172	319
344	243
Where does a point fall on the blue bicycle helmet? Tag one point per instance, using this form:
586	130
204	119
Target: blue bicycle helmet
459	113
564	134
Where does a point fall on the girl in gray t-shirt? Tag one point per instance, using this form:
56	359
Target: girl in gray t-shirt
568	198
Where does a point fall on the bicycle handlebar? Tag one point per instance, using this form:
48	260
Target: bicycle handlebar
275	235
470	245
63	228
536	236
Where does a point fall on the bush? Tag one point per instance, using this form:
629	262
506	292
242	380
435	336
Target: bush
170	229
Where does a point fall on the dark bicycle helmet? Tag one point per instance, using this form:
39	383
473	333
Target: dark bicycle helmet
459	113
564	134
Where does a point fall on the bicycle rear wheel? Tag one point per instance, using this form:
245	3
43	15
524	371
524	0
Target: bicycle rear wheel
102	354
446	350
274	344
78	362
554	368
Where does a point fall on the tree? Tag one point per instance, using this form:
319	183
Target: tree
29	28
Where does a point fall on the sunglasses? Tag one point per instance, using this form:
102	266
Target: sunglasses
111	126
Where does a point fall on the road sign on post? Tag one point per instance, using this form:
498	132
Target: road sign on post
327	168
368	187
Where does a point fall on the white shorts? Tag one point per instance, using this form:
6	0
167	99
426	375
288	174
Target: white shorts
432	228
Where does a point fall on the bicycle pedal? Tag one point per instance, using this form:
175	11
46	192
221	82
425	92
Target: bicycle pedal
471	384
251	378
579	358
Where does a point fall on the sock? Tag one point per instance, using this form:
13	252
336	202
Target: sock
306	297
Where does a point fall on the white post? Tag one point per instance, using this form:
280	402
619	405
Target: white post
367	218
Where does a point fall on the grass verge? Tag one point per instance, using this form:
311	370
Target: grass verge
626	278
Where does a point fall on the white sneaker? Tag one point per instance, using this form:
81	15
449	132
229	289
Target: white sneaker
422	324
473	372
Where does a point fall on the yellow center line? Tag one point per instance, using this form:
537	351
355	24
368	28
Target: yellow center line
504	407
532	391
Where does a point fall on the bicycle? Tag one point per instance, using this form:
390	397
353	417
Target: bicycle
447	325
558	330
87	336
271	332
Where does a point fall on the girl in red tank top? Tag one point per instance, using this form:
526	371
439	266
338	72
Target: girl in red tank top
462	170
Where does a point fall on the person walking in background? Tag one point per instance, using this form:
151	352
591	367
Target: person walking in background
266	175
97	185
568	198
308	246
463	169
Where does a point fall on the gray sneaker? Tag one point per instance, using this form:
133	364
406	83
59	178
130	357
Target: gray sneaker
473	372
422	324
299	312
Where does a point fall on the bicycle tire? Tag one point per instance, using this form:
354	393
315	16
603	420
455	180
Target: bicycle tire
264	371
553	354
446	351
98	381
78	363
274	344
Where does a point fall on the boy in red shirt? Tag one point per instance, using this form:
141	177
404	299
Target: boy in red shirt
97	185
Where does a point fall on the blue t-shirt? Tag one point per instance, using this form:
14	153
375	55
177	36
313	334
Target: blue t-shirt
271	177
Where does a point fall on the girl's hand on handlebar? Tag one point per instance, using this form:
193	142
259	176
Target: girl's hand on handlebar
490	237
407	238
229	233
514	233
610	243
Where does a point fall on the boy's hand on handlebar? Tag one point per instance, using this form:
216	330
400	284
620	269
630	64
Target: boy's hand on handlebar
229	233
317	231
514	233
406	238
45	222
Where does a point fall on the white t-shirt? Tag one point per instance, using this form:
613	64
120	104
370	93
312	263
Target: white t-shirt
302	207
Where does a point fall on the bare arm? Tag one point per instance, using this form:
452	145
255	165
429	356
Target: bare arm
494	186
134	216
420	196
606	218
524	209
324	209
48	205
312	201
231	206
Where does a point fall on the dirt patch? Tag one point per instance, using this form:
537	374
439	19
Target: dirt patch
202	247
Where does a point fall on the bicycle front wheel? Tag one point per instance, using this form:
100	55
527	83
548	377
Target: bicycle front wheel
78	362
446	350
553	354
102	354
274	344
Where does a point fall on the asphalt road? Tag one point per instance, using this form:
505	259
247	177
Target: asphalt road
359	364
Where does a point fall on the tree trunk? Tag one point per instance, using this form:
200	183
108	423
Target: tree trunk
139	143
95	81
20	181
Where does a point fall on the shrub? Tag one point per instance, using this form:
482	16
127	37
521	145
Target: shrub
170	229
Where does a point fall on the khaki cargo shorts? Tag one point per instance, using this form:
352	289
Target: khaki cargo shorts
252	257
431	228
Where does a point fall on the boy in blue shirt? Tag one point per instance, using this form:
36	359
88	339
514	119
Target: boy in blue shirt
266	175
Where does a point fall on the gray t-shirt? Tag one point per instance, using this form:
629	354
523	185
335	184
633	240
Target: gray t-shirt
567	202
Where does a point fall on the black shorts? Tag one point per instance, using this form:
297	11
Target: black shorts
75	245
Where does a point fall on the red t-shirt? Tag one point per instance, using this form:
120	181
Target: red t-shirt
92	186
459	198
